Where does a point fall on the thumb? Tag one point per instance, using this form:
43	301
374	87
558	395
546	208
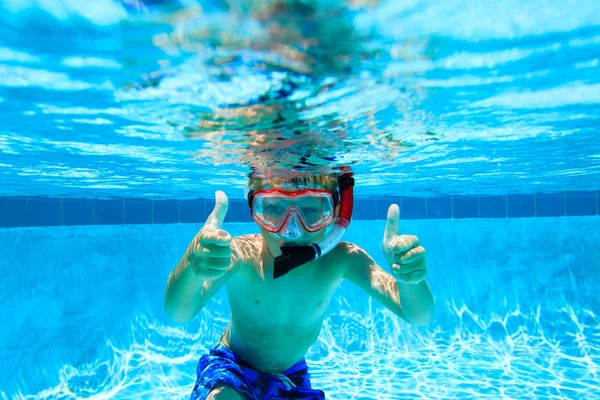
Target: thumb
216	218
391	225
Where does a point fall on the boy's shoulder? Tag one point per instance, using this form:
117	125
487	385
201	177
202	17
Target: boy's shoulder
246	249
348	247
347	255
248	242
248	236
347	252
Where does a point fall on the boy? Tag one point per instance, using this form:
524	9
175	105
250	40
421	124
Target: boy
278	305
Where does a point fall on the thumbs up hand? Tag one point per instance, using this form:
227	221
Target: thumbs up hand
403	253
210	252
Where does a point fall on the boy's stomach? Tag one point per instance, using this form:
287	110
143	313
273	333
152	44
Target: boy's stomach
273	350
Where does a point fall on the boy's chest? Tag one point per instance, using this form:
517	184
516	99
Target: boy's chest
298	298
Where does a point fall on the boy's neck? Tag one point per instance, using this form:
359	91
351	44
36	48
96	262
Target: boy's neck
277	251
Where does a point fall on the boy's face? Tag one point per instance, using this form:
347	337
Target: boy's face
298	214
303	238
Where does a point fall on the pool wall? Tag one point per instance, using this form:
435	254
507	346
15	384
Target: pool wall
56	211
68	292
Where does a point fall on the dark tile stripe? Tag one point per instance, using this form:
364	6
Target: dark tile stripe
439	207
383	204
78	212
108	212
581	203
137	211
165	211
365	209
13	212
41	211
413	208
465	207
520	205
192	211
238	211
492	206
550	204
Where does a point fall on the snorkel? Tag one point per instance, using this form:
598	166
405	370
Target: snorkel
293	256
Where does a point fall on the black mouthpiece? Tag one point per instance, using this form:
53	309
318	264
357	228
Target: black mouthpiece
293	256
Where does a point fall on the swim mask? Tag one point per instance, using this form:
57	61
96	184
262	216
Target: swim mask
273	209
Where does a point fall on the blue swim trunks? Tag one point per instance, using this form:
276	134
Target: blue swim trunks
222	367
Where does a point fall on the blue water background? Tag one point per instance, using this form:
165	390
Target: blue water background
458	97
435	97
516	315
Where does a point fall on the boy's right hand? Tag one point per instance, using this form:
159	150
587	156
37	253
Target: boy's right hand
210	251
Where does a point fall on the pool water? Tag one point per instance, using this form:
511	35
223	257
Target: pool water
174	99
516	315
119	120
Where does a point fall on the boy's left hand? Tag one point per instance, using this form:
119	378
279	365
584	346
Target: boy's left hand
403	253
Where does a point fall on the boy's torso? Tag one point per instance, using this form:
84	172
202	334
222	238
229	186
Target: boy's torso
274	322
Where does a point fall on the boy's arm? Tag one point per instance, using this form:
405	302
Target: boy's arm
187	293
411	302
210	260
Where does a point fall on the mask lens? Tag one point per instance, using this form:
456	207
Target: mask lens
271	208
315	210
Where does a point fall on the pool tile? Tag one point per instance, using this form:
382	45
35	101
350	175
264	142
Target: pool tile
581	203
108	212
550	205
465	207
165	211
13	212
492	206
238	211
439	207
78	212
384	203
364	209
192	211
520	205
137	211
413	208
42	211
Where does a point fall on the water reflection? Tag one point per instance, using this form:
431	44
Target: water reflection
418	97
311	80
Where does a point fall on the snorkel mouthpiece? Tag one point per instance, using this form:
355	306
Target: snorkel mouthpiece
292	256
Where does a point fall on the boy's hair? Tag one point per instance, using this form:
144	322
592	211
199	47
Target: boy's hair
328	182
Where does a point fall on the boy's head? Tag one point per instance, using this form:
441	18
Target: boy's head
325	181
294	210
